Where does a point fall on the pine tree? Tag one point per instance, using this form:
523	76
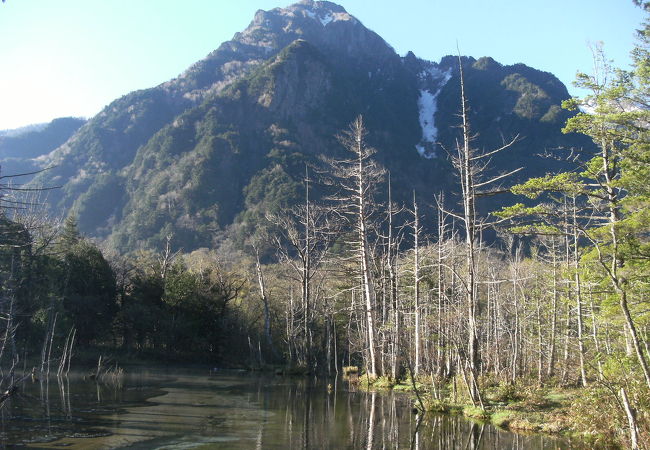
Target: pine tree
612	183
70	234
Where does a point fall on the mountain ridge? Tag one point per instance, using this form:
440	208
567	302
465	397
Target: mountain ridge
186	157
21	148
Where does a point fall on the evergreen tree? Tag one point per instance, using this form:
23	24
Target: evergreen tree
613	183
70	234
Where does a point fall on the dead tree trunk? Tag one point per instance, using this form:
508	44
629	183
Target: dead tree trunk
265	301
357	177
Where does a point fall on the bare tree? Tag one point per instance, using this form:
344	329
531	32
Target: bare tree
416	287
357	178
264	298
303	239
472	167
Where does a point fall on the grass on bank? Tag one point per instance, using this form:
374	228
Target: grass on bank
591	413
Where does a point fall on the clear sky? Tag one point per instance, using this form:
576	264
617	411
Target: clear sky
72	57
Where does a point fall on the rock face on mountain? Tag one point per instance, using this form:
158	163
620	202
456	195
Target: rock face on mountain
230	137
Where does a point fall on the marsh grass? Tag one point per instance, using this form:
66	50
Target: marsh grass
586	413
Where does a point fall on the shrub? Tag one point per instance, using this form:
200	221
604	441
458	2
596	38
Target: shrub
437	406
506	393
598	410
535	398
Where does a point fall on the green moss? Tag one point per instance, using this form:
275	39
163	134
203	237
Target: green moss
502	418
476	413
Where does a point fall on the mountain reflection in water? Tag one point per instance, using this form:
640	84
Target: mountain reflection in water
190	409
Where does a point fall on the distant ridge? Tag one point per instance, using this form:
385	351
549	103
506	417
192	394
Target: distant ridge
13	132
20	148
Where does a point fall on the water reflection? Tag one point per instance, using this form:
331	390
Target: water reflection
180	409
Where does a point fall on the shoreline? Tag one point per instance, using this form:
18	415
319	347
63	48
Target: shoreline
525	410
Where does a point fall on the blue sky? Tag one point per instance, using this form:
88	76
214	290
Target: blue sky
73	57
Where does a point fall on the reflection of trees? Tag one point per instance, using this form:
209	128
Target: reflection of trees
415	439
44	409
64	406
307	416
314	415
371	421
285	413
45	402
474	436
64	393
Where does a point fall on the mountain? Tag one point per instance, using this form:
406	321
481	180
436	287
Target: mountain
12	132
20	148
210	151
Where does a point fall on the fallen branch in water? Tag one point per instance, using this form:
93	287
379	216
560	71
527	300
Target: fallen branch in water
12	389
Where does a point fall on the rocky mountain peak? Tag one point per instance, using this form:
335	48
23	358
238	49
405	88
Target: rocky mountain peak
321	4
325	25
321	12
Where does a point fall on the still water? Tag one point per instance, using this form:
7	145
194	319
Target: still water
182	409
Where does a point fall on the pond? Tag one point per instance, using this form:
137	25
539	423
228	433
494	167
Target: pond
182	409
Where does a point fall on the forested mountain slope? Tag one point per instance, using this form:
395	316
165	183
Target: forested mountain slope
229	139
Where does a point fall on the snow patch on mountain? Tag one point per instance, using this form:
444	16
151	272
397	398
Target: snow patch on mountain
327	19
324	20
435	79
427	106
